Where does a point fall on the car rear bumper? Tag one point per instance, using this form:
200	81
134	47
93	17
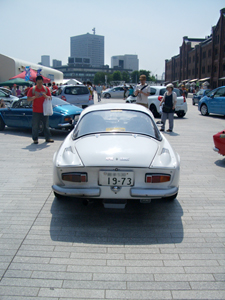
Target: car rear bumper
153	193
134	192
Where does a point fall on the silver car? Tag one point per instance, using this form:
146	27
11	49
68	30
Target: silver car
115	92
7	97
78	95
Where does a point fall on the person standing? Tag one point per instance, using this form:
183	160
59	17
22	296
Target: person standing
14	90
125	90
18	92
99	92
169	101
38	94
142	92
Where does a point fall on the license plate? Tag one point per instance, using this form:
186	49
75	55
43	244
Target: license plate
116	178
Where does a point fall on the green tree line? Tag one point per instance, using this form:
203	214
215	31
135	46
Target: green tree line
123	76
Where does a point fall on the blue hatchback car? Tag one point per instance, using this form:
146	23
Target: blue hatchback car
201	93
213	103
64	116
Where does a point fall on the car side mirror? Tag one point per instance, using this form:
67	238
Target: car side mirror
212	96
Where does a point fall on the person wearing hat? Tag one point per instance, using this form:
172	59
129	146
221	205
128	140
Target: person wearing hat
169	101
142	91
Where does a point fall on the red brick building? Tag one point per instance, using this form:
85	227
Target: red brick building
200	59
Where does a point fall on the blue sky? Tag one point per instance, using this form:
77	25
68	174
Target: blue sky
153	30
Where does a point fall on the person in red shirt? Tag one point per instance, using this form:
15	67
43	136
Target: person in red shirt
54	88
38	94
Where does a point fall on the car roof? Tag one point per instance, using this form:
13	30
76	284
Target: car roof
116	106
69	85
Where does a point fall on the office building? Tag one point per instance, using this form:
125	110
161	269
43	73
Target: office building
45	60
87	49
56	63
127	61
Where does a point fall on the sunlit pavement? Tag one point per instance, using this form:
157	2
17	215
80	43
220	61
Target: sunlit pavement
52	249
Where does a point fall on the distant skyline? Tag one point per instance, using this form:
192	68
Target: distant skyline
153	30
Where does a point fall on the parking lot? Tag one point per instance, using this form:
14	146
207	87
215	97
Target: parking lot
51	249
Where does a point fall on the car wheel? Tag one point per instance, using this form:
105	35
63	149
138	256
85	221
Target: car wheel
204	110
181	114
171	198
107	95
154	111
58	196
2	124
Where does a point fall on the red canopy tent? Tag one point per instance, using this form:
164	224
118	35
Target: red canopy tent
33	75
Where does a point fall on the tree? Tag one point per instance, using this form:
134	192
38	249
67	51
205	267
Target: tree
135	76
117	76
99	78
125	76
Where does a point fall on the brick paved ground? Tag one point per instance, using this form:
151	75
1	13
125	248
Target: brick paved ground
64	250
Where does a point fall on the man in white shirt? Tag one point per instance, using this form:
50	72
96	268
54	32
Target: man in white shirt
99	91
142	91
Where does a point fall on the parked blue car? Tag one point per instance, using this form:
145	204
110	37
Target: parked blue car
213	103
201	93
64	116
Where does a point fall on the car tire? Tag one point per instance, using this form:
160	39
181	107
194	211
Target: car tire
58	196
171	198
154	111
107	95
84	106
2	124
204	110
181	114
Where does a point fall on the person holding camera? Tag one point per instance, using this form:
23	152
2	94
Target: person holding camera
142	92
168	101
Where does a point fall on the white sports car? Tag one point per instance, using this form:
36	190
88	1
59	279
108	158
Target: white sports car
116	153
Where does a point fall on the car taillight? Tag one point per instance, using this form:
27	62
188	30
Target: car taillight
75	177
90	97
63	98
184	98
160	98
156	178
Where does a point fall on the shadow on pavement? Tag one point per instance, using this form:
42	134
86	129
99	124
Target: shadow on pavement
138	224
220	162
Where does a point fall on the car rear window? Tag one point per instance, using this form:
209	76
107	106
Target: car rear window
76	90
177	91
116	121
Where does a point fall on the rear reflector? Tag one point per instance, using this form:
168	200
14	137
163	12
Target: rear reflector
63	98
90	97
156	178
75	177
160	98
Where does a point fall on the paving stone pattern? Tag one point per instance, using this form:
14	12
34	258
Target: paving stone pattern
63	250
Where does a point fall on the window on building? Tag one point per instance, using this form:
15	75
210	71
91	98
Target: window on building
209	53
193	71
193	59
223	67
216	52
215	69
189	60
204	54
209	68
203	70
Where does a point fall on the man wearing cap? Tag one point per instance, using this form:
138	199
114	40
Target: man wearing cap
142	91
169	101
